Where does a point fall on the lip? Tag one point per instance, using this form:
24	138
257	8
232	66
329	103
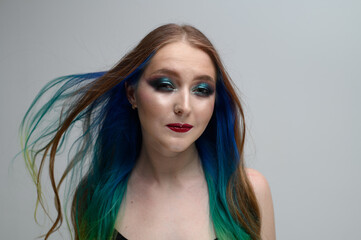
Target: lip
179	127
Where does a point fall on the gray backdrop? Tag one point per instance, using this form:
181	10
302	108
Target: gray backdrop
296	63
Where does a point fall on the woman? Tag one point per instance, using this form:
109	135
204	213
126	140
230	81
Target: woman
161	150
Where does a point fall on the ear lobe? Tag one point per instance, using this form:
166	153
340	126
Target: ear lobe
130	91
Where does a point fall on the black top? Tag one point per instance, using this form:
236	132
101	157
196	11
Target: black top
121	237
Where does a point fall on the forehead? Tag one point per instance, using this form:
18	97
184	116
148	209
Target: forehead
183	58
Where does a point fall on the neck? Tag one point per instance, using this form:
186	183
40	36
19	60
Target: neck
168	168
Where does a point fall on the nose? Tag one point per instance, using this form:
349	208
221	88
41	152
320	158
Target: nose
182	105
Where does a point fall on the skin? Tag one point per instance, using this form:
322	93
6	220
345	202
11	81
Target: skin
264	198
167	196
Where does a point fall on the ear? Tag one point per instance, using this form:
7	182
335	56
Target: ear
130	91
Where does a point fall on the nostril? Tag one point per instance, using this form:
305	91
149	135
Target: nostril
178	109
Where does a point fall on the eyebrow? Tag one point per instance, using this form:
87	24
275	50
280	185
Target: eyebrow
175	74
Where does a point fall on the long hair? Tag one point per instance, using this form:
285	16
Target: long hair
104	154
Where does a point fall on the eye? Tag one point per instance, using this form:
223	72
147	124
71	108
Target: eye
162	84
165	86
203	90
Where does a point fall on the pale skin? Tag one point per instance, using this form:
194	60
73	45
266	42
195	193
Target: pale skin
167	195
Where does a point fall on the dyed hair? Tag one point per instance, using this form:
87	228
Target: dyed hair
105	152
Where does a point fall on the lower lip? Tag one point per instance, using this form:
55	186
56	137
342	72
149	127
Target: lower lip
179	129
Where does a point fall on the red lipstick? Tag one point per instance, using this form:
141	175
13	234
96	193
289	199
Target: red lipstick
178	127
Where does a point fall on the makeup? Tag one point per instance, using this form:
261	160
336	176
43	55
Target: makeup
175	97
163	84
178	127
203	90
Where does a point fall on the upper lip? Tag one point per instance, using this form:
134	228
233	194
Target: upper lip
180	125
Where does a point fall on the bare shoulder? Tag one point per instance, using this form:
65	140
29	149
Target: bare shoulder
262	191
259	182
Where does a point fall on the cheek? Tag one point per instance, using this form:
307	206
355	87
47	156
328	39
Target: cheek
205	110
150	104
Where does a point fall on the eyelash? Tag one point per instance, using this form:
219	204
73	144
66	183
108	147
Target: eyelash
164	84
203	90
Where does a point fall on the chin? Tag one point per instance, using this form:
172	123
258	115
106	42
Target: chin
177	147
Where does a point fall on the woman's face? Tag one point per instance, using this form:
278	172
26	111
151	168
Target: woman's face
175	97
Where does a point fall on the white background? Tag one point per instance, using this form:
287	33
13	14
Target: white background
296	63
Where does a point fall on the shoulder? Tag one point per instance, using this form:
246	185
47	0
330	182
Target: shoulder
260	186
262	191
258	181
